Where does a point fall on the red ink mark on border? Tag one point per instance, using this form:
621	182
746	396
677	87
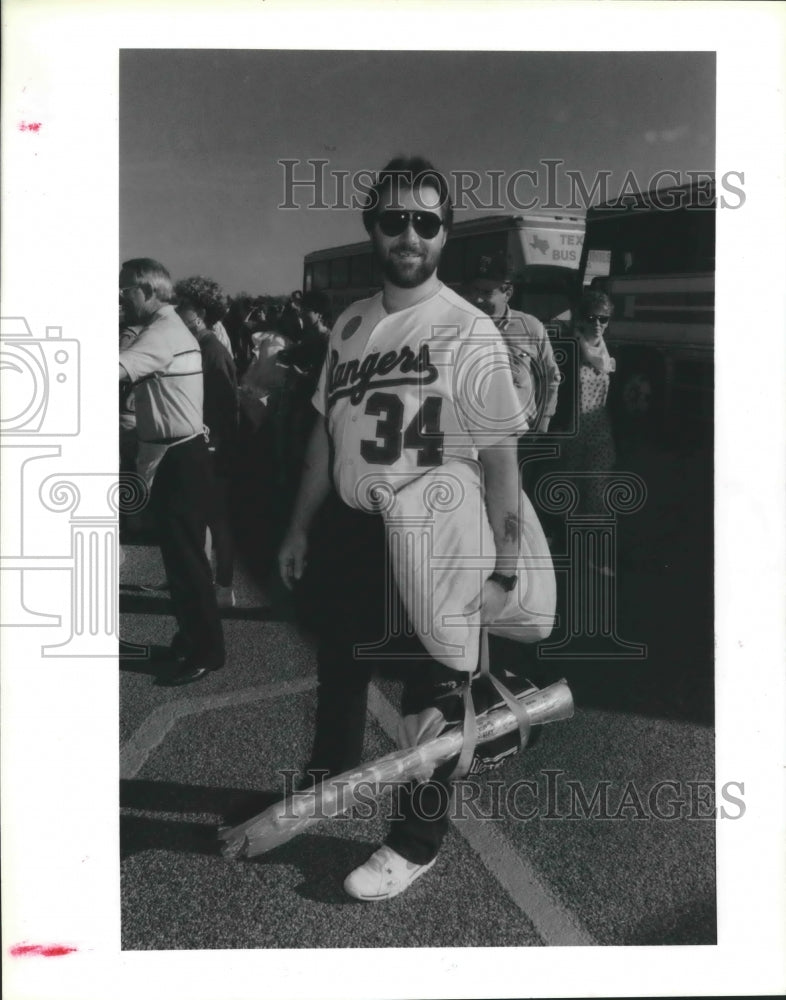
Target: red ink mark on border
29	126
43	950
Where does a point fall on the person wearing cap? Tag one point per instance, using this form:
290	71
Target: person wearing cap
536	374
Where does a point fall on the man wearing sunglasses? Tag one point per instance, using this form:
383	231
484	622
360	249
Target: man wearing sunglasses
415	376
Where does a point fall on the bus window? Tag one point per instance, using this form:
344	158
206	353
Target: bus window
339	272
321	275
598	265
658	242
308	278
360	271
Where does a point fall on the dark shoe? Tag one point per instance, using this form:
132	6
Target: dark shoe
188	673
178	649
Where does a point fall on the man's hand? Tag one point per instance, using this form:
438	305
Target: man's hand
292	557
489	602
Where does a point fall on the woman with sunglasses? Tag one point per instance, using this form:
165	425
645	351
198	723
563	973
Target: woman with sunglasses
582	406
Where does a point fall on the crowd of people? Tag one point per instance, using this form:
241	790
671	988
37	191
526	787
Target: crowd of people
259	369
227	398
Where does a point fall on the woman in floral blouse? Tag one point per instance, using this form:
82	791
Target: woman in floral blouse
583	401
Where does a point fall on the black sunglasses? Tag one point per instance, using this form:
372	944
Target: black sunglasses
592	318
425	224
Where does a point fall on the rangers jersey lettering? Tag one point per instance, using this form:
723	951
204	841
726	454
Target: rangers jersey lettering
406	391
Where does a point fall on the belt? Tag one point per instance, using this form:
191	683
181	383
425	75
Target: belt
171	440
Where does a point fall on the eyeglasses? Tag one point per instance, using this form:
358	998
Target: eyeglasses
603	320
425	224
127	288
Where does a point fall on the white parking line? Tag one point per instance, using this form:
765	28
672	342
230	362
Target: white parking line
554	923
152	732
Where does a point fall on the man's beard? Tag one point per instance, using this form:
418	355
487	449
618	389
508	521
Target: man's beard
410	271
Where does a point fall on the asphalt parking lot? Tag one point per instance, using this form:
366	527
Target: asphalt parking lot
637	867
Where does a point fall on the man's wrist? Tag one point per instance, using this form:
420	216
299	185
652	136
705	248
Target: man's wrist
505	580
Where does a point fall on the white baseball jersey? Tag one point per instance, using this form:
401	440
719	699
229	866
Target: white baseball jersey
404	392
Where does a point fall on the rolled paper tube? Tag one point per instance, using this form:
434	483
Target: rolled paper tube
286	819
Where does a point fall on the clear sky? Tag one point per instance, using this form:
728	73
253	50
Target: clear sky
202	131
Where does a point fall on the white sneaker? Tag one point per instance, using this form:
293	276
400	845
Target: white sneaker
225	597
383	876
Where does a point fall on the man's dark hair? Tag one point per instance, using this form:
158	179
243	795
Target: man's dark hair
205	294
411	172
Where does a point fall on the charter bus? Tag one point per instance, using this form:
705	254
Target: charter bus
658	265
544	252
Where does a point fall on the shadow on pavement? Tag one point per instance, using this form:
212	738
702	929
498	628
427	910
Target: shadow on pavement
140	833
151	660
317	858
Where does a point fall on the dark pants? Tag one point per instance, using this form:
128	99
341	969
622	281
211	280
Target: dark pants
534	464
219	523
180	501
351	598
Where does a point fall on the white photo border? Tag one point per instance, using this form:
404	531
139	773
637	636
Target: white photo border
60	262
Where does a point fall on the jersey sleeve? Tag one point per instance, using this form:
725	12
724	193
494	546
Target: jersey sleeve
488	408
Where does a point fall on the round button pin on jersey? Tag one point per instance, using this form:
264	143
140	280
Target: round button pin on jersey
351	326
